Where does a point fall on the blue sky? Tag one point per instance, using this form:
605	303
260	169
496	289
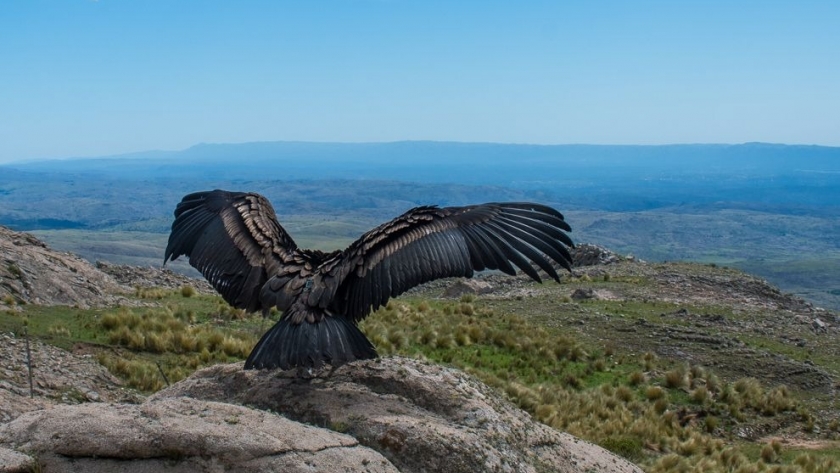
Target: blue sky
88	78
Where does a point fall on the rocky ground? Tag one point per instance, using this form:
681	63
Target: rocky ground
59	377
393	414
151	277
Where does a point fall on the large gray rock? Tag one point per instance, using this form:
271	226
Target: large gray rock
180	435
467	286
420	416
384	415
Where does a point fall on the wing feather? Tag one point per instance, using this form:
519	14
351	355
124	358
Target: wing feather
493	252
552	226
537	240
233	239
546	232
513	251
428	243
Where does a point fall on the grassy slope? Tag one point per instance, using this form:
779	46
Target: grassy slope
663	380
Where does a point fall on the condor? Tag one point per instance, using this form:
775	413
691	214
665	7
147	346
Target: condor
236	242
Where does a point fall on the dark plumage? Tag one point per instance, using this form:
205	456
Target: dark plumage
235	241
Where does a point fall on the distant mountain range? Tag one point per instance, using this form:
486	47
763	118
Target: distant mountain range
463	163
770	208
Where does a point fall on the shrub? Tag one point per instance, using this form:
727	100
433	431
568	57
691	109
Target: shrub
466	309
653	393
637	378
462	338
572	381
777	400
397	338
15	270
141	375
628	446
770	453
700	395
649	361
444	342
150	292
675	378
428	337
711	423
234	347
157	342
187	290
712	383
59	330
624	394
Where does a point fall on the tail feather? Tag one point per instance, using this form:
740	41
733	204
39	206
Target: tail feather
333	341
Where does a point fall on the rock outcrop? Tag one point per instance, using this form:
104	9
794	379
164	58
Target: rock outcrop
33	273
151	277
463	286
182	435
58	377
383	415
586	254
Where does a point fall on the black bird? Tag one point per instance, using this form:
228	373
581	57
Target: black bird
236	242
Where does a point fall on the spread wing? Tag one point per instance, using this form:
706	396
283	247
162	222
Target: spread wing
233	239
428	243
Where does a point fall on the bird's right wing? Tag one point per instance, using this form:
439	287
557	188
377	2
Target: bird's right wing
233	239
428	243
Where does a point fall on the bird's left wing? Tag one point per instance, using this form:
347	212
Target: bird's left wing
233	239
428	243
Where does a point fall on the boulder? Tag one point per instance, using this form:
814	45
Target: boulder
383	415
583	294
422	417
585	254
467	286
181	435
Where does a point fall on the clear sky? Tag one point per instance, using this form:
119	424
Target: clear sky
88	78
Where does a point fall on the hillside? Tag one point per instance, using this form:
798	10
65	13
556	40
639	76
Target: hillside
32	273
672	365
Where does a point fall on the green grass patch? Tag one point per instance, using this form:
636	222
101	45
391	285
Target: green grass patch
166	340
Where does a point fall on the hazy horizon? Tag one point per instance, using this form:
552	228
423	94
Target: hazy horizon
133	153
